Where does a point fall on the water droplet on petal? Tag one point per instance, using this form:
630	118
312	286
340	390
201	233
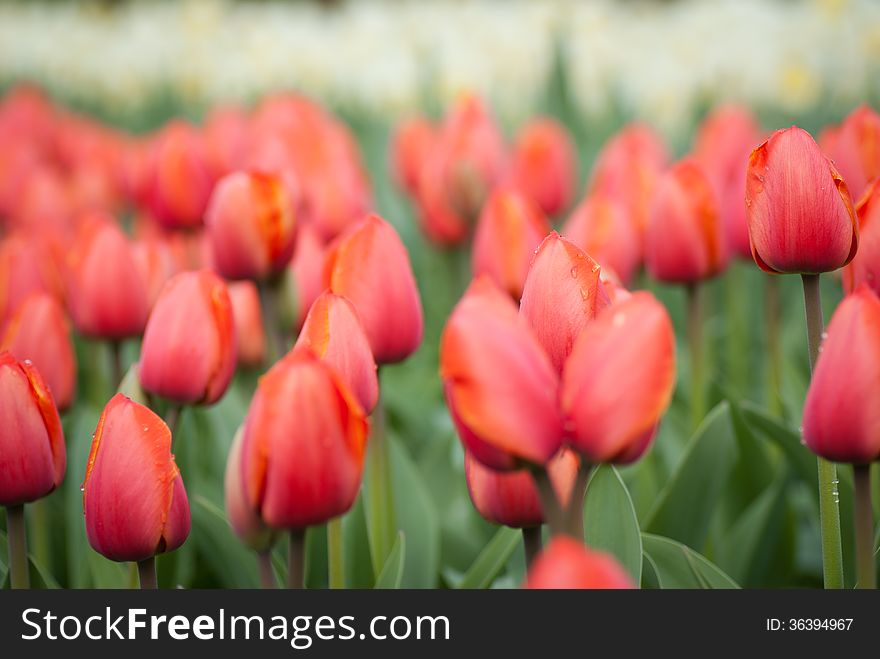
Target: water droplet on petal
574	271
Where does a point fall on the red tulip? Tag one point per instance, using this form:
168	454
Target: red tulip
841	421
509	230
600	227
178	179
566	564
370	266
501	388
334	333
628	168
226	134
855	149
32	454
189	349
26	267
251	226
156	262
250	337
544	164
134	501
562	294
106	294
619	380
243	519
865	267
305	273
38	331
412	142
511	498
466	161
303	445
801	217
724	141
685	242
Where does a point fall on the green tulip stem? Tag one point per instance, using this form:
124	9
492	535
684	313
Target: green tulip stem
147	573
531	543
379	493
267	575
829	513
695	341
15	535
39	525
574	512
336	553
866	566
116	372
296	559
554	515
737	335
277	343
774	354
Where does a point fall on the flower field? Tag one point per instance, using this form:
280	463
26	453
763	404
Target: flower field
482	316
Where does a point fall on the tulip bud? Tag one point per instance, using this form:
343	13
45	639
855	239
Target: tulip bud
303	445
251	226
509	231
412	142
562	294
855	149
370	266
243	519
628	168
134	501
333	332
226	134
724	141
157	263
189	348
38	331
26	267
619	380
178	177
250	336
567	564
801	217
841	421
511	498
305	276
32	453
600	227
865	267
544	165
500	386
684	242
106	294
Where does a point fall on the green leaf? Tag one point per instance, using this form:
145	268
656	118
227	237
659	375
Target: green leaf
610	521
492	559
686	506
392	573
786	438
678	566
416	517
38	574
233	565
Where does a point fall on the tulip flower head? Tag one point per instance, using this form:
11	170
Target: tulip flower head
250	336
684	242
567	564
242	517
842	409
511	498
251	225
106	292
189	348
303	444
334	333
855	149
369	265
39	331
561	295
865	267
543	165
412	142
801	216
601	228
134	500
305	275
509	231
32	452
619	380
501	387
